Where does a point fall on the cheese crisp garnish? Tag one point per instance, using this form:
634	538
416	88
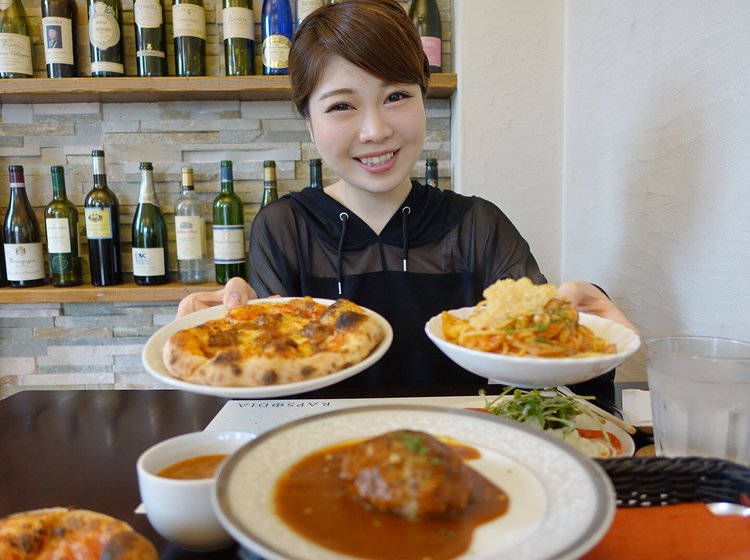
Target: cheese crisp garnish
508	297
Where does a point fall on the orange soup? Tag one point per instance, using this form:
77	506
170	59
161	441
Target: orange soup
203	466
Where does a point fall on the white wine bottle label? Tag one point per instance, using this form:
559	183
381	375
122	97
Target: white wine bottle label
15	54
238	22
148	261
276	51
190	237
5	4
58	235
147	13
432	46
98	223
148	51
103	66
306	7
104	31
58	40
229	244
24	261
189	20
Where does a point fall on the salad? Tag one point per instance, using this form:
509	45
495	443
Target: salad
557	414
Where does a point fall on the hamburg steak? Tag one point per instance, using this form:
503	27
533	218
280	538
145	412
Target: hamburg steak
407	473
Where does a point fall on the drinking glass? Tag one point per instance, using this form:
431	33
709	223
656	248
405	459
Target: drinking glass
700	396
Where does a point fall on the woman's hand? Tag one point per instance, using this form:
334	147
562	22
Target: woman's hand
590	299
235	292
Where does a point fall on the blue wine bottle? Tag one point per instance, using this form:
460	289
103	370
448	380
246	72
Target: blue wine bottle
277	28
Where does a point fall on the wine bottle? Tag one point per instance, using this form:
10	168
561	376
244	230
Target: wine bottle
189	26
105	38
150	258
431	172
426	16
270	194
229	230
239	38
150	38
277	28
305	8
24	259
102	216
316	174
3	273
15	41
59	37
63	246
190	229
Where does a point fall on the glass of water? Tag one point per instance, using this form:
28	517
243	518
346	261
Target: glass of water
700	396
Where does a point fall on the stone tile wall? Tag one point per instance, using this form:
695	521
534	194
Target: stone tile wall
98	345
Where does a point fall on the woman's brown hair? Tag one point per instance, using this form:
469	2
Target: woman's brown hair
374	35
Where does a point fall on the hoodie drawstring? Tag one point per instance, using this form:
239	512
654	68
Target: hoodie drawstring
405	211
344	217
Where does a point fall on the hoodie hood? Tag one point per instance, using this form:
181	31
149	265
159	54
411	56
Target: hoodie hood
431	213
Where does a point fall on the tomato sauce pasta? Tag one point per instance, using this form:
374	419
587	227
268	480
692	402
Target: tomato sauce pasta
552	332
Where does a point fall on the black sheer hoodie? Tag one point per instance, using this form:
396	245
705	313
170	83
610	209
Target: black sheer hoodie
438	251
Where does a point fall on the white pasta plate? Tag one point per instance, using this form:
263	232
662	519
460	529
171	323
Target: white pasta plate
532	372
560	503
151	358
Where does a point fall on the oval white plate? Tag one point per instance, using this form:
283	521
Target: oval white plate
531	372
582	421
561	503
152	359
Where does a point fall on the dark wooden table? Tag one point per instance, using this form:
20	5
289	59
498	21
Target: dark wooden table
79	448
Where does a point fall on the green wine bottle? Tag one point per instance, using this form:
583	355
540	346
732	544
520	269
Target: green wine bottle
24	259
15	41
150	38
150	258
63	245
105	38
189	29
239	38
316	174
431	173
230	256
270	193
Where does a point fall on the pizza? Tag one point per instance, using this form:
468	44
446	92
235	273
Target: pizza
71	534
273	341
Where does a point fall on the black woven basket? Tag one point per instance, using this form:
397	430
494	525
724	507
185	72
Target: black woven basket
658	481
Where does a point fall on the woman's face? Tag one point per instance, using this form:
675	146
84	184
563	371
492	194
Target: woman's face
368	132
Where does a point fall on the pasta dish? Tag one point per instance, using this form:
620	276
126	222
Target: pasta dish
543	325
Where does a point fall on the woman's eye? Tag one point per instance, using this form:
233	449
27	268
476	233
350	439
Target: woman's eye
338	107
397	96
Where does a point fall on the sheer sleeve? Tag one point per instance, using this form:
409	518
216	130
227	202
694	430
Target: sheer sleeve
506	254
270	269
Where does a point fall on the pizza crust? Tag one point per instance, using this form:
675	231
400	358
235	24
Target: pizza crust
53	533
271	343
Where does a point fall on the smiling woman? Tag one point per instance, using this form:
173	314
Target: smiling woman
359	77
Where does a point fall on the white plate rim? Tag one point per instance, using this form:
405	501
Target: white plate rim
151	357
602	491
543	366
628	444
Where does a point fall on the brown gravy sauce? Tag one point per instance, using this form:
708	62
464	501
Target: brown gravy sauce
199	467
311	500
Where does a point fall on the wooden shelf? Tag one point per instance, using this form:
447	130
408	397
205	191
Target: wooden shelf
87	293
132	89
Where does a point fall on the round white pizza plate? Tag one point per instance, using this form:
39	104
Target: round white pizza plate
152	358
561	503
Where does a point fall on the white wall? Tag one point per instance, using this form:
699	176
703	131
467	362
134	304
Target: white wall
507	114
654	177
